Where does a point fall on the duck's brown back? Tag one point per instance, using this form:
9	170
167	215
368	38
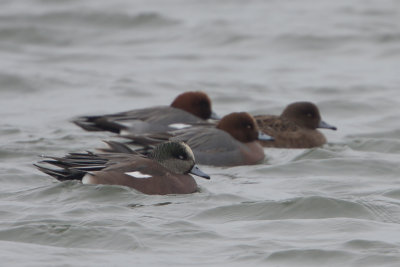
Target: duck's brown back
288	134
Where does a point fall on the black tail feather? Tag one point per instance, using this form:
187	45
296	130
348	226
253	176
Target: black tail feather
73	166
98	123
69	162
62	174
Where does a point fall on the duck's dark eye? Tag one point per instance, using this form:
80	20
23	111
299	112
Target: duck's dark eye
248	126
309	115
182	157
203	103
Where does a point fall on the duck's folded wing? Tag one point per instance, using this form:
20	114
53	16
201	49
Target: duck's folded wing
153	119
148	139
273	125
115	122
116	147
213	147
75	165
208	139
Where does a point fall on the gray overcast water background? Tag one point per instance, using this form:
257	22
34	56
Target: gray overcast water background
338	205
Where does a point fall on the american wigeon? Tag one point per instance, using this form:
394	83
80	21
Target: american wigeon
188	108
232	142
165	171
296	127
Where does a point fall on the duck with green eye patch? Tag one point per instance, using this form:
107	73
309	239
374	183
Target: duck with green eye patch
164	171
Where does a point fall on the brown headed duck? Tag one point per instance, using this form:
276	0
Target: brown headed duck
233	142
296	127
188	108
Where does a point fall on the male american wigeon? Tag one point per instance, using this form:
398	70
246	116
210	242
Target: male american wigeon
188	108
232	142
164	171
296	127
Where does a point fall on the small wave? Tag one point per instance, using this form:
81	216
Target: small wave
66	28
217	33
340	43
73	192
90	18
384	211
363	244
395	193
395	134
12	82
351	165
298	208
376	142
313	42
62	234
310	257
9	129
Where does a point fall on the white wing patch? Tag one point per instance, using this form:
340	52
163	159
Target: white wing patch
179	125
137	174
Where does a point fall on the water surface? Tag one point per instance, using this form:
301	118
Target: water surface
338	205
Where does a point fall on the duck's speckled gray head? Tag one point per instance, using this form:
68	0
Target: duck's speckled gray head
177	157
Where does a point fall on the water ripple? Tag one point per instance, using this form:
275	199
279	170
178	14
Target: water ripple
298	208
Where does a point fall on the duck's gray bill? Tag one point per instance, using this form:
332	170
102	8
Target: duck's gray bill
264	137
214	116
325	125
196	171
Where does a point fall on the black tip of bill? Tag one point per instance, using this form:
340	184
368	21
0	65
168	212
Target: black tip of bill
196	171
325	125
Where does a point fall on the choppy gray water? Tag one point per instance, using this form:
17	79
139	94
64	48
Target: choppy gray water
338	205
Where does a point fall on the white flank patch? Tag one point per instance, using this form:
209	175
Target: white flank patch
179	125
87	179
124	132
138	175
